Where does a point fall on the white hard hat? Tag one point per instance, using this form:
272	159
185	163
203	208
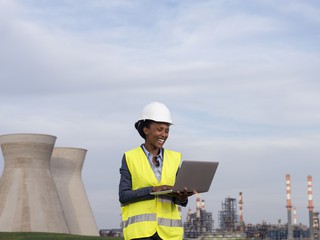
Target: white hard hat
157	112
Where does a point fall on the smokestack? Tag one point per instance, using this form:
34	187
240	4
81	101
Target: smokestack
29	199
289	207
66	167
316	221
310	207
203	226
294	215
189	215
202	205
198	205
198	214
241	210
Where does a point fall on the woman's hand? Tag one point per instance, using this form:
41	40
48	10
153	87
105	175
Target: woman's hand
161	188
183	196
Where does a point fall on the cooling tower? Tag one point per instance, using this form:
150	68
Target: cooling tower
66	167
29	201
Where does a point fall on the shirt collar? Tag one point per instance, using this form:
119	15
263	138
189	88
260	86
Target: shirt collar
148	154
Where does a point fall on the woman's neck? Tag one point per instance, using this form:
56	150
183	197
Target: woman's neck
151	149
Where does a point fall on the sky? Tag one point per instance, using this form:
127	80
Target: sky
241	79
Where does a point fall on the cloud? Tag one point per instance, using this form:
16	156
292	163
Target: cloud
241	80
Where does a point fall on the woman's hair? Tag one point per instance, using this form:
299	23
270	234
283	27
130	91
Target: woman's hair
142	124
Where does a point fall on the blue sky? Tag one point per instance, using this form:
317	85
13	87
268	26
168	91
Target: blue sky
241	79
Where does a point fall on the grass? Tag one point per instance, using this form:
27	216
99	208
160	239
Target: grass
49	236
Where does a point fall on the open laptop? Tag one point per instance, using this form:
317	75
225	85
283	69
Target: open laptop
193	175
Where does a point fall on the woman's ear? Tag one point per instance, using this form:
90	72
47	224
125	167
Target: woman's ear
146	131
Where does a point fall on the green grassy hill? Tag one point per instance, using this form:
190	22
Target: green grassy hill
49	236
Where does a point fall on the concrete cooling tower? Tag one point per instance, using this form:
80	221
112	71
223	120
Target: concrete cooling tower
66	167
29	201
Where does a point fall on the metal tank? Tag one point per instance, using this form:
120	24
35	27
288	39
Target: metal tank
66	167
29	201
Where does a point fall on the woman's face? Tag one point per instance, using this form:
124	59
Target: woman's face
156	135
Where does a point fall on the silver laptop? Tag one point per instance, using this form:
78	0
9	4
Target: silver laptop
193	175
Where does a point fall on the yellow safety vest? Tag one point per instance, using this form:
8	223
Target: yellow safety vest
145	218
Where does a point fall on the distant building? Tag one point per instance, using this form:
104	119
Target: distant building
228	217
199	223
110	232
276	231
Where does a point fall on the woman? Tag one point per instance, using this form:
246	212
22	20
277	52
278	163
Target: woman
151	168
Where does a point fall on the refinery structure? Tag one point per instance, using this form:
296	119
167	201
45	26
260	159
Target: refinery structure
200	224
231	223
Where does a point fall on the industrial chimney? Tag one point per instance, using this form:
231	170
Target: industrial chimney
241	211
189	215
198	206
29	201
198	213
203	208
310	207
289	207
66	167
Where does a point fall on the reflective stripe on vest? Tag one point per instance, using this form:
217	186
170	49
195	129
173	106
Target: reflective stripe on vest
152	217
170	222
139	218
